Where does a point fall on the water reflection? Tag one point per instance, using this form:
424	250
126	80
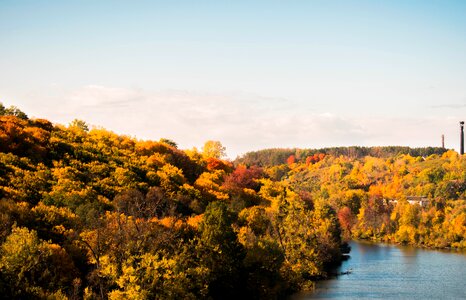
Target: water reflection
409	256
394	272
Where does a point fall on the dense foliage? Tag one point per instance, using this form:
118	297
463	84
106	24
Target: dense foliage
278	156
95	215
404	199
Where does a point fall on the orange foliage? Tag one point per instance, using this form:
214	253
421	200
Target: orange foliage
291	160
171	222
19	137
194	221
218	164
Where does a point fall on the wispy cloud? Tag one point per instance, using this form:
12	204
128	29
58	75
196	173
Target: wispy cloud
451	105
241	121
97	96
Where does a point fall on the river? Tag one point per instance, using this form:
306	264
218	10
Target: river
380	271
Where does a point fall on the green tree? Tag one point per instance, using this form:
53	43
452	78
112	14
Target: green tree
13	111
168	142
79	124
220	251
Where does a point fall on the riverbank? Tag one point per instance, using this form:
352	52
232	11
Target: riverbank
392	241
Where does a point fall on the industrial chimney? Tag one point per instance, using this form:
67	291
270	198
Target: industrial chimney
462	138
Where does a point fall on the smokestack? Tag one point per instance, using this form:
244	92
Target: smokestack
443	141
462	138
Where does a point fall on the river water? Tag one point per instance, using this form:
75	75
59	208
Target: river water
380	271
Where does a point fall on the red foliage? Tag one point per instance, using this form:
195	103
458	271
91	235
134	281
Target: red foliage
242	178
346	219
314	158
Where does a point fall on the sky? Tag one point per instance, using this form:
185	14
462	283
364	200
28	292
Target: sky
251	74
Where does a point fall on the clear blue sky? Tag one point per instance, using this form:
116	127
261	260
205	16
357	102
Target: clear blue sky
252	74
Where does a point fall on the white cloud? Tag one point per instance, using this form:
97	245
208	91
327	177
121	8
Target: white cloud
242	122
97	96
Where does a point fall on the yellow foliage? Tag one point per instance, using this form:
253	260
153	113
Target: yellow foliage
209	182
246	237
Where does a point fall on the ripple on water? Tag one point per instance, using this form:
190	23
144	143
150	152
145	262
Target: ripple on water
381	271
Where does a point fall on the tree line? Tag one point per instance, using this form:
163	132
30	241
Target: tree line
278	156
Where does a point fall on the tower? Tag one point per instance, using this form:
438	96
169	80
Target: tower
462	138
443	141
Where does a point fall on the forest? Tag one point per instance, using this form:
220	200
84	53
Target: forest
86	213
273	157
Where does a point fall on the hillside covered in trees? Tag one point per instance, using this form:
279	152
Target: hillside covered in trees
95	215
278	156
90	214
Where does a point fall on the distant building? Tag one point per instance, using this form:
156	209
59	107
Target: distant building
422	201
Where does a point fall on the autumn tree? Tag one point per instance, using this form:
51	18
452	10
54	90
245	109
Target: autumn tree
243	178
218	164
346	219
34	268
213	149
291	160
297	237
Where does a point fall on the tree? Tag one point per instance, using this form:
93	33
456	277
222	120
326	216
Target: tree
13	111
291	160
19	137
168	142
297	235
213	149
218	164
171	178
374	218
346	219
242	178
79	124
131	203
209	183
264	257
220	251
34	268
